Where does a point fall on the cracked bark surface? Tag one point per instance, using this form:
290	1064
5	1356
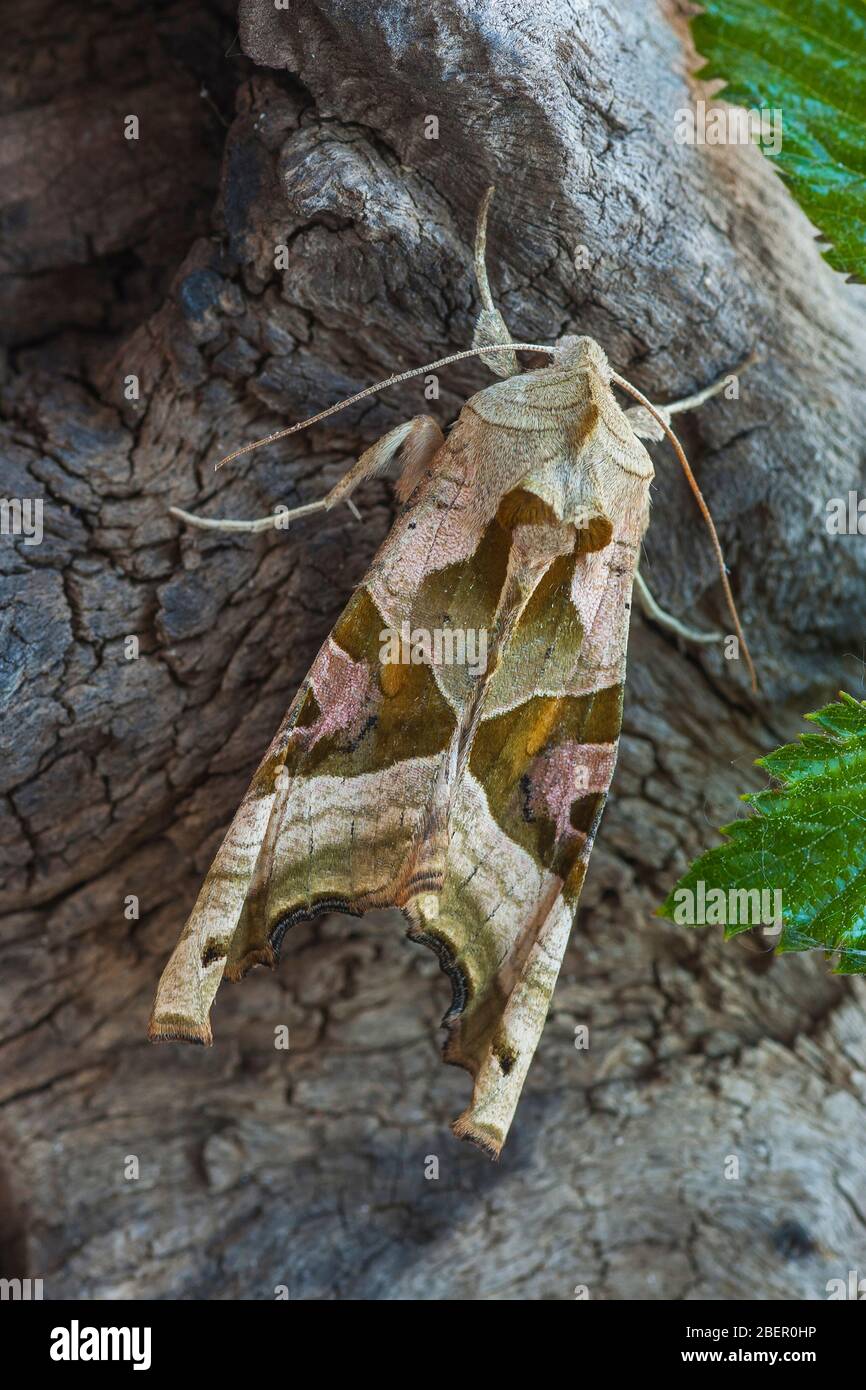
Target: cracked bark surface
306	1168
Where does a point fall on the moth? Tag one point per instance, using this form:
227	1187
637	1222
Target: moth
466	794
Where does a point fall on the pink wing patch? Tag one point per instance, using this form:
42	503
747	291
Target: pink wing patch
559	776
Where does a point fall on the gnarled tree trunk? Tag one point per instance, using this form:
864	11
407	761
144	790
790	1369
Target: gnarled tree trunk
156	258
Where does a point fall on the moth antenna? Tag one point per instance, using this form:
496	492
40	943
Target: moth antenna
380	386
705	513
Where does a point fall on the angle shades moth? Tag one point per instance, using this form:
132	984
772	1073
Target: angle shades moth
468	795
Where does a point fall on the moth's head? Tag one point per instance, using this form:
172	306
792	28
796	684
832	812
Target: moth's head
579	353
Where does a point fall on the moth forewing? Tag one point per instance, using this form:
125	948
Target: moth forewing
545	748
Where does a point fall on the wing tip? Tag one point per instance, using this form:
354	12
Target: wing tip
484	1137
170	1027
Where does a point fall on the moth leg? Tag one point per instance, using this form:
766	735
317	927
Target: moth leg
657	614
692	402
490	326
645	427
416	440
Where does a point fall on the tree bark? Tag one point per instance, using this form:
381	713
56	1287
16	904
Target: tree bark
155	258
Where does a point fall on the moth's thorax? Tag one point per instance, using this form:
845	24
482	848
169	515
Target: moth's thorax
558	433
572	392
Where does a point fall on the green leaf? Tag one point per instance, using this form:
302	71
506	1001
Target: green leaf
806	841
807	58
